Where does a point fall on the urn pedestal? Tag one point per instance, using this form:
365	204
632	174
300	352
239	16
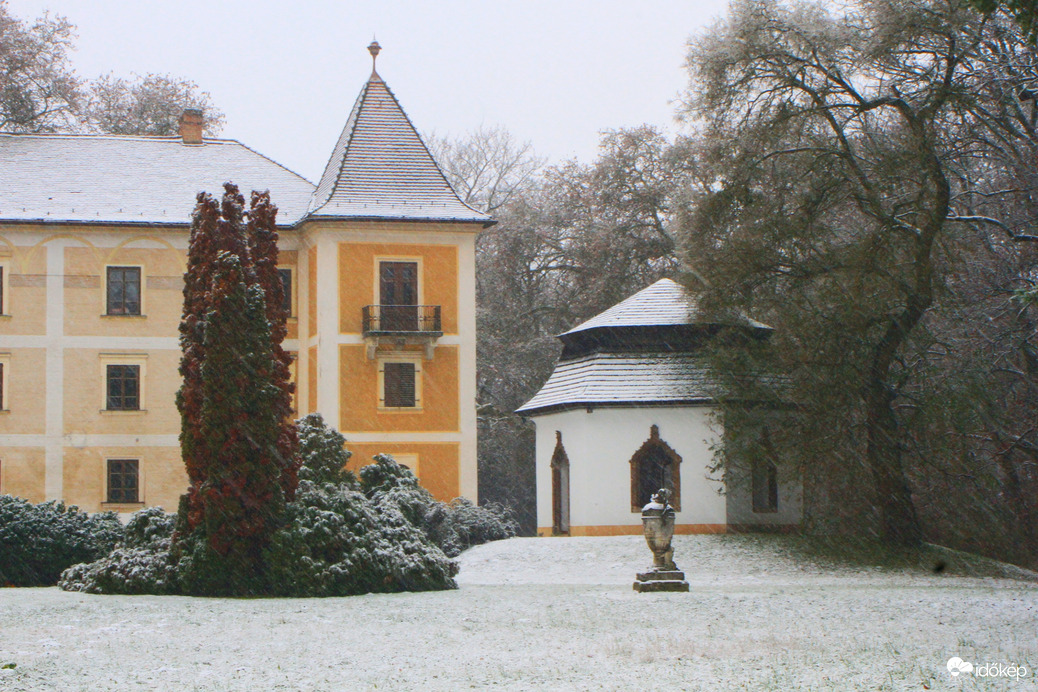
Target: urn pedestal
658	524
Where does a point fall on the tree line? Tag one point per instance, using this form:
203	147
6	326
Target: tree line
41	92
861	178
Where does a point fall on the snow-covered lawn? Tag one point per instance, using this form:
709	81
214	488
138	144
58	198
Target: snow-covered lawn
551	614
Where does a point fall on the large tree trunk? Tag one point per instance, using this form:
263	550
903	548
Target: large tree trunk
900	523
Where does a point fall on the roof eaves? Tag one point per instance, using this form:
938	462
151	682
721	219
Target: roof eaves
633	403
313	216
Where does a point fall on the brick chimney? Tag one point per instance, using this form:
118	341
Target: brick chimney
191	123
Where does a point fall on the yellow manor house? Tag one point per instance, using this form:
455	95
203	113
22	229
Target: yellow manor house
378	259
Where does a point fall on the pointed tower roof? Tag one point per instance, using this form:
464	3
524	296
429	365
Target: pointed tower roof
381	169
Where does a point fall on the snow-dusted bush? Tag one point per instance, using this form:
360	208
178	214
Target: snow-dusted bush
37	542
475	524
453	527
323	453
140	564
339	543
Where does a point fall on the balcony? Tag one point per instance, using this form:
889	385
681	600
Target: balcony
393	320
398	325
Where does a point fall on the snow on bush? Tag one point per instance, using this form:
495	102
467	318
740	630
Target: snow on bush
339	537
323	453
338	543
37	542
140	564
453	527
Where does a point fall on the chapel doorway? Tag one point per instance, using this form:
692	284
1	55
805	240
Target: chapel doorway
559	489
655	465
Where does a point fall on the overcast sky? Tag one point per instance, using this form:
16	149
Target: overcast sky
286	73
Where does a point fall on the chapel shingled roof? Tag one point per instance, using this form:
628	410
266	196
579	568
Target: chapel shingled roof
118	179
381	169
625	378
645	350
664	303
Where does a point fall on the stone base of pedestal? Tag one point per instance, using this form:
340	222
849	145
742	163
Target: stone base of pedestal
669	580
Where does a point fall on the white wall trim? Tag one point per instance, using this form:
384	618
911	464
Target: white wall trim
54	387
366	437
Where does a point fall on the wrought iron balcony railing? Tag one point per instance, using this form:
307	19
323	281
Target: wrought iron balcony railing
402	319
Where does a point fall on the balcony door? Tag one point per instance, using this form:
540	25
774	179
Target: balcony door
398	296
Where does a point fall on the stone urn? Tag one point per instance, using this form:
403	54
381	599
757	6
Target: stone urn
658	524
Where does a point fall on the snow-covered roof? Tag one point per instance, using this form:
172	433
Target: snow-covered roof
629	378
381	169
139	180
664	303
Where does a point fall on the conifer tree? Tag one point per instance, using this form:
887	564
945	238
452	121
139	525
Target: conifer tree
200	259
232	405
263	249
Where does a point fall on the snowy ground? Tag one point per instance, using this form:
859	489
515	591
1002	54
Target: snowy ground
551	614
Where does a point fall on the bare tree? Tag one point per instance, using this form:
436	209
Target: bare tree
39	90
487	167
148	105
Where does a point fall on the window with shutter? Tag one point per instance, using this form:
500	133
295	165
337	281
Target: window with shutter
399	389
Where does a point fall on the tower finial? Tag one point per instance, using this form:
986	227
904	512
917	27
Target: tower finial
374	49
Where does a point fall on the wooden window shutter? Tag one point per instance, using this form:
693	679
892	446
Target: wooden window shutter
399	385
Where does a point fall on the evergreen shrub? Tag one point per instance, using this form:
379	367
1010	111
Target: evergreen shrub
454	526
139	564
38	541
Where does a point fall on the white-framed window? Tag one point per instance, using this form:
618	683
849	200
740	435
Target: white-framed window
5	378
288	285
122	481
123	382
124	290
400	382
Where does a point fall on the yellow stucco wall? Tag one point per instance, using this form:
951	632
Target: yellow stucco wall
437	463
359	409
312	380
25	404
311	322
162	297
21	472
84	393
94	340
358	283
162	476
26	269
